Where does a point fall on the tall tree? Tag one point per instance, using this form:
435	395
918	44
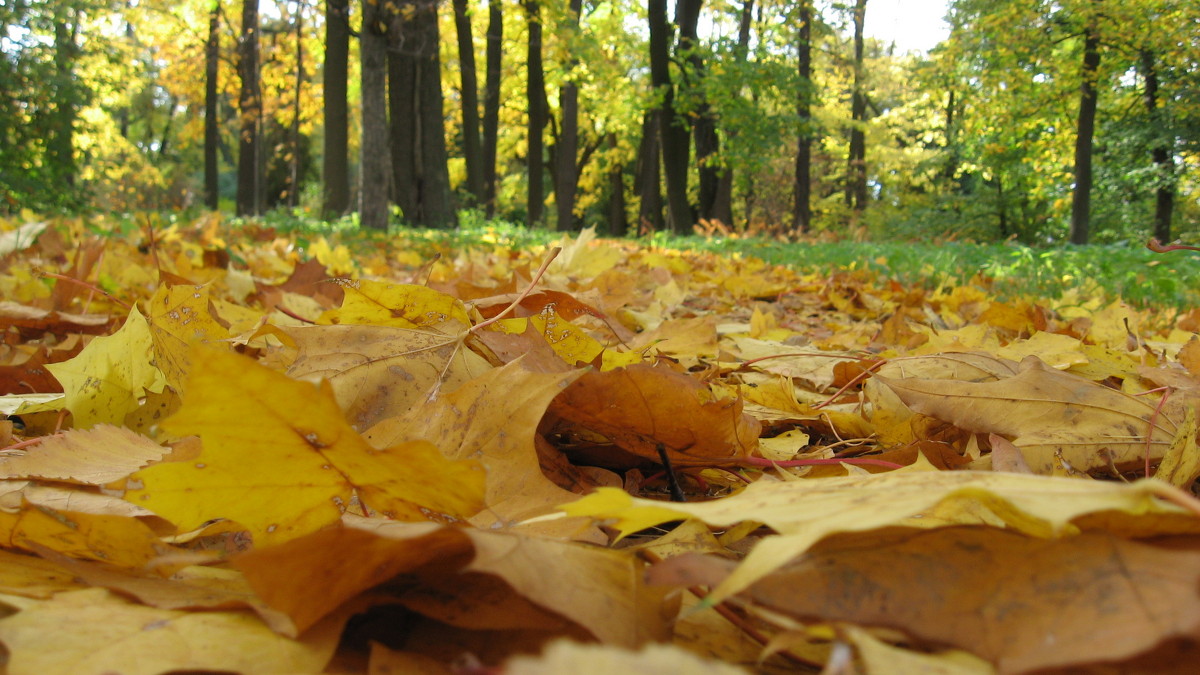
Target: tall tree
212	137
249	184
673	135
1084	131
722	208
566	149
856	170
472	152
376	164
418	142
535	93
802	190
491	103
295	139
336	169
704	119
437	209
1160	154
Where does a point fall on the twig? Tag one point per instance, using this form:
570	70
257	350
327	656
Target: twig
89	286
528	289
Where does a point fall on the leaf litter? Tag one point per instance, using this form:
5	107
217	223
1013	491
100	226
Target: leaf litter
621	457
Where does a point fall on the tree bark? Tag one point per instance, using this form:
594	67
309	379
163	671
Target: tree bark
375	151
249	183
212	134
566	176
472	150
1160	153
674	137
704	126
421	179
293	195
618	226
491	104
802	190
1085	130
535	93
856	171
649	176
723	205
405	127
436	206
336	169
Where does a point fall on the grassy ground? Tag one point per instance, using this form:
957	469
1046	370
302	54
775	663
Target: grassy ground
1128	271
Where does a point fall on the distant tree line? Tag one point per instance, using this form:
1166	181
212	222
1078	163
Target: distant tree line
1070	121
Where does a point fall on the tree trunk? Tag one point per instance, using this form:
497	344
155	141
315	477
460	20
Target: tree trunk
212	134
723	205
674	137
1164	192
405	126
802	190
421	179
293	195
618	226
704	126
535	92
375	151
649	178
437	208
566	176
336	169
249	182
1085	130
472	151
856	170
491	103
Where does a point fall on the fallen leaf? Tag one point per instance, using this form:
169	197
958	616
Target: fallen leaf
491	419
92	631
597	589
640	407
382	371
104	381
280	459
93	456
181	317
1023	604
804	512
378	303
1046	412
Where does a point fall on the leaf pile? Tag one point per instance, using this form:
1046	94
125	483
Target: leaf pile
221	455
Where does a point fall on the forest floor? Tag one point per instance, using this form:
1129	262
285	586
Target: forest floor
330	453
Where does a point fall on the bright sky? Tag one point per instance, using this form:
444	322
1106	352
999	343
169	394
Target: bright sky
912	24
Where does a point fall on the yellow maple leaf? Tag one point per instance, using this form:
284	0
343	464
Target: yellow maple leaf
105	380
181	316
280	459
378	303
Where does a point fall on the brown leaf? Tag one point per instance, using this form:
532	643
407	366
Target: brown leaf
641	406
1023	604
93	456
382	371
1047	412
